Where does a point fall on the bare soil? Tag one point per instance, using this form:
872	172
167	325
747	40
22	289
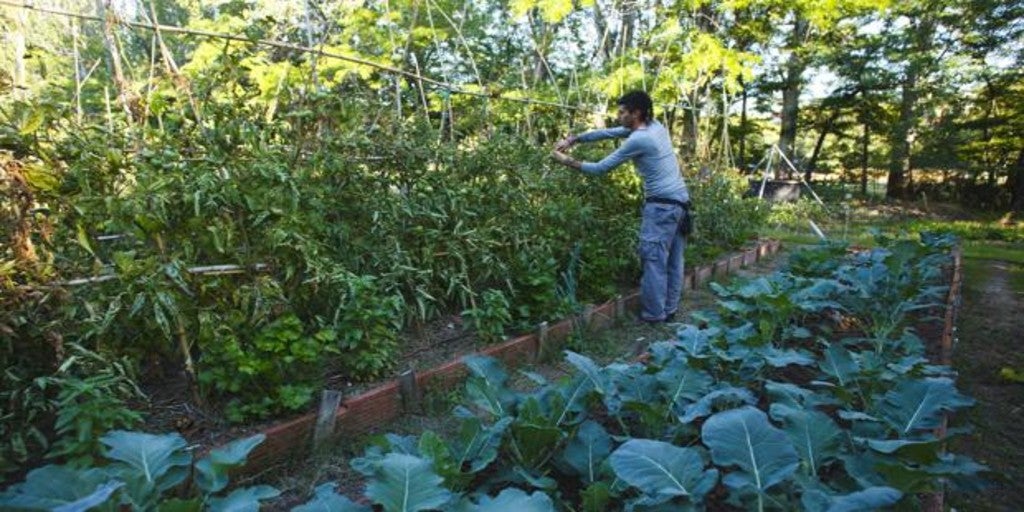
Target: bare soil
991	337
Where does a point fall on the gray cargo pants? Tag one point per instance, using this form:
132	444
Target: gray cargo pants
661	257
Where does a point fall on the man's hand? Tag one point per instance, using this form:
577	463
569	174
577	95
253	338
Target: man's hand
565	143
565	159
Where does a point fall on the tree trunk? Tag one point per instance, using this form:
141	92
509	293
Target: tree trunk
813	162
791	91
905	130
902	138
1016	183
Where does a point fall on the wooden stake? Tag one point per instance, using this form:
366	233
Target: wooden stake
409	392
326	418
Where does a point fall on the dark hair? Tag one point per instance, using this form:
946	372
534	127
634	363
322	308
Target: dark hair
638	101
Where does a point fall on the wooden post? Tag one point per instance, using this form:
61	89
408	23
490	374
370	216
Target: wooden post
408	390
326	417
588	316
542	340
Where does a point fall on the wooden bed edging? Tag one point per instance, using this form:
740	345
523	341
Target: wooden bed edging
935	501
363	413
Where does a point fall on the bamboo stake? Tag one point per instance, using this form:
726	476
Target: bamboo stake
115	57
78	71
172	66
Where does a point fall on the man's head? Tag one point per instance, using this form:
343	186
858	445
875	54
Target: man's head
635	108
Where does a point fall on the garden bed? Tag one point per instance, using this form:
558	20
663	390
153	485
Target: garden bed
603	393
377	404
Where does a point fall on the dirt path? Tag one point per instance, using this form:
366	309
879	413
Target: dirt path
991	337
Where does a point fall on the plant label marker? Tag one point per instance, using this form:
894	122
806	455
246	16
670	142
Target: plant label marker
326	417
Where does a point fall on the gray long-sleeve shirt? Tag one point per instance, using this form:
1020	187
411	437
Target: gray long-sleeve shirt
651	150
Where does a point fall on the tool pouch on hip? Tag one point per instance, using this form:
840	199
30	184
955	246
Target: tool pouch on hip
686	225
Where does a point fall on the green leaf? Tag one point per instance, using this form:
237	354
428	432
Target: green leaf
840	364
32	121
816	437
517	500
695	341
478	444
573	398
160	461
587	367
779	358
41	178
61	488
727	395
535	442
243	500
679	381
788	394
83	239
596	497
486	387
212	470
434	448
743	437
918	451
405	483
180	505
919	404
867	500
587	450
663	471
326	499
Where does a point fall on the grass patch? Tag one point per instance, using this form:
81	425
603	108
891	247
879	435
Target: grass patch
977	270
1010	253
1017	279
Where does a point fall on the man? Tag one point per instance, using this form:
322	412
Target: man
666	199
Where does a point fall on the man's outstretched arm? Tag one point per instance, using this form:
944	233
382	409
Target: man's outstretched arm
618	132
625	152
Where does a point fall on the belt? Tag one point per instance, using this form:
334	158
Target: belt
663	200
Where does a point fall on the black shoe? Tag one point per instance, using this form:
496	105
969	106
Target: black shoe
671	317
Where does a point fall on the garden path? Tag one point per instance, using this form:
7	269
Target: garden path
991	337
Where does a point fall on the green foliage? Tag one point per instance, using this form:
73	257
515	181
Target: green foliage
794	215
276	371
995	230
367	321
143	472
92	397
722	216
490	317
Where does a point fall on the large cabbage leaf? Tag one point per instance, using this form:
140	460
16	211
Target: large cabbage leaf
405	483
743	437
663	471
